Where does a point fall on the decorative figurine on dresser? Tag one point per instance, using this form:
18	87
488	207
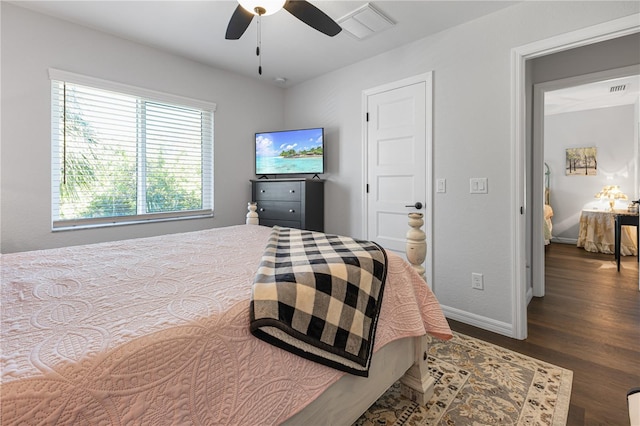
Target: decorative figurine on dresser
292	203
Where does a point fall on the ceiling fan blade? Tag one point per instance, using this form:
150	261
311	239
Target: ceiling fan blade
238	23
312	16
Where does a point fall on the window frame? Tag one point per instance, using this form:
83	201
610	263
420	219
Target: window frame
147	95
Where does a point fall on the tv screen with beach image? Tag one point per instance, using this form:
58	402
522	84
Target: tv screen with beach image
290	152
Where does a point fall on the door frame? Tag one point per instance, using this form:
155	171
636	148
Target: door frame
520	159
426	78
539	90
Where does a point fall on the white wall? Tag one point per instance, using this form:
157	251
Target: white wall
472	138
611	131
32	43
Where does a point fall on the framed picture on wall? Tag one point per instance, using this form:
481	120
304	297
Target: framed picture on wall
581	162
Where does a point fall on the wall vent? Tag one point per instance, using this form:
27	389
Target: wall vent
365	22
618	88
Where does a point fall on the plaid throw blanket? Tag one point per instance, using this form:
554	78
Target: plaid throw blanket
319	296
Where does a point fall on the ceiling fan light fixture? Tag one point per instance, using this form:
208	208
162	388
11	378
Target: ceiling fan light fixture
262	7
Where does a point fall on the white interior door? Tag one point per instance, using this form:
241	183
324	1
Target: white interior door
398	147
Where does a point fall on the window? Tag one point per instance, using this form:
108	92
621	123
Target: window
122	154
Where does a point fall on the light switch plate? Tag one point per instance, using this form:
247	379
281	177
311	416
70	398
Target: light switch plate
478	186
441	185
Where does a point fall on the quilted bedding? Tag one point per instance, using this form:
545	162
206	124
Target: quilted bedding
156	331
318	295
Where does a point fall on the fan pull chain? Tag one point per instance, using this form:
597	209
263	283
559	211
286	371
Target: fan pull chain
259	45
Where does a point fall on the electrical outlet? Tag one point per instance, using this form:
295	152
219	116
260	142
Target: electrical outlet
477	281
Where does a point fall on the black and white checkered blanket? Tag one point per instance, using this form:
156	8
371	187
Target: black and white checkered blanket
319	296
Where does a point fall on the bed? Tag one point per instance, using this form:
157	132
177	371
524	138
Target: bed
155	331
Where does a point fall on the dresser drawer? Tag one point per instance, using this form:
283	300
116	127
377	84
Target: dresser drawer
283	210
284	191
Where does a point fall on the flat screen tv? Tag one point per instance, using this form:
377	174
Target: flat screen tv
289	152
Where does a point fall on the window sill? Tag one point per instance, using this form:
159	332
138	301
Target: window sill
73	225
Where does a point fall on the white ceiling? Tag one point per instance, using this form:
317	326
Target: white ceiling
290	49
601	94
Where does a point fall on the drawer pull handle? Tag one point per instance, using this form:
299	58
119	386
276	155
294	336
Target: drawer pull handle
292	191
261	210
263	191
292	211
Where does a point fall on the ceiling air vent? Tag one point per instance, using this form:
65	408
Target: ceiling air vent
365	22
618	88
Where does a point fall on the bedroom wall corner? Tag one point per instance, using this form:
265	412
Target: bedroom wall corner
471	138
32	43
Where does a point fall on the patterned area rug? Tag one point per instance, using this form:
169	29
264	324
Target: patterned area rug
478	383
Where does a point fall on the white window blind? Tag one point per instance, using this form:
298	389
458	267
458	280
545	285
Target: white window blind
122	154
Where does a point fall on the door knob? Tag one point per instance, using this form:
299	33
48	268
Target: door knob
417	205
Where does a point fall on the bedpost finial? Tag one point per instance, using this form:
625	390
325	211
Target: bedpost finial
416	243
252	216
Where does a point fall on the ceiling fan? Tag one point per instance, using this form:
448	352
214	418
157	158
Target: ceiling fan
301	9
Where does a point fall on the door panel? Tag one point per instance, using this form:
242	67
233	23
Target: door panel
395	152
394	189
392	227
396	161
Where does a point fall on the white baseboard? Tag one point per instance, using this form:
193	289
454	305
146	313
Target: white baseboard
529	295
479	321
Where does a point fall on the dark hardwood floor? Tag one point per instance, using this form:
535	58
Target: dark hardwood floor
588	322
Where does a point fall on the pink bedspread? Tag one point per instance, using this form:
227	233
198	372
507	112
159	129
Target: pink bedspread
155	331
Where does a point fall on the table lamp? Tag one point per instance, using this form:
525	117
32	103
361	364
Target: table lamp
611	193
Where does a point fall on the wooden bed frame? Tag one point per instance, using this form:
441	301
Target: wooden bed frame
417	384
404	359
